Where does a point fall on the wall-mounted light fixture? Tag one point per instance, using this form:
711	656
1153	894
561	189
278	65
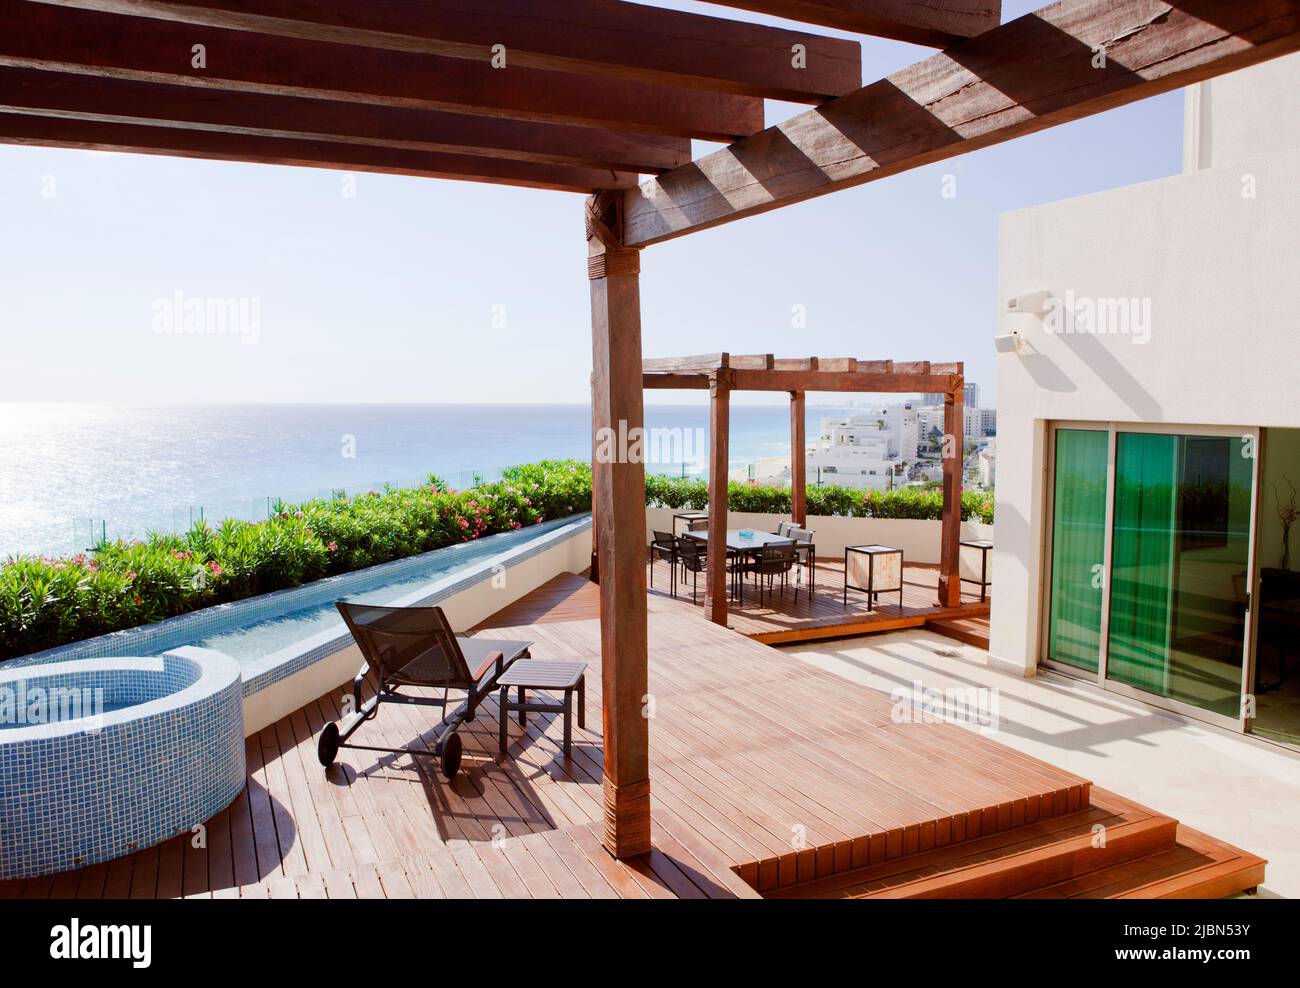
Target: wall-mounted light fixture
1029	303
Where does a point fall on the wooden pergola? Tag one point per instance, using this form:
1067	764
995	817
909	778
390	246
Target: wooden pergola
602	98
723	373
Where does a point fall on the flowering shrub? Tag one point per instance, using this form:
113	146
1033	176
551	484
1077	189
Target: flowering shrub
906	502
46	601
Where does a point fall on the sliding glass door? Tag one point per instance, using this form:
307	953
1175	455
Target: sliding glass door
1170	617
1078	547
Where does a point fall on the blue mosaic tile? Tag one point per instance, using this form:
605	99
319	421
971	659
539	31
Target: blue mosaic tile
165	752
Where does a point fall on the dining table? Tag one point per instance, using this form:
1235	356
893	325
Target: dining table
742	542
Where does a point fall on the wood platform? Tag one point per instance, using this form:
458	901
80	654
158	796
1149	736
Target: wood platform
770	778
780	619
1114	848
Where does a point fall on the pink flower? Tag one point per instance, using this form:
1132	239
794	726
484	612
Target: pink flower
215	567
516	524
333	547
138	600
464	523
130	574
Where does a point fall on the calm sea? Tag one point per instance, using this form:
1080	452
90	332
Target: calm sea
69	471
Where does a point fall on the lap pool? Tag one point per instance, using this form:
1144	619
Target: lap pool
276	634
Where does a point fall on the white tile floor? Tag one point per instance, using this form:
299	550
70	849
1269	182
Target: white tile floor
1239	791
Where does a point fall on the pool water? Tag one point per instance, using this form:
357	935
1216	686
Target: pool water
262	638
254	640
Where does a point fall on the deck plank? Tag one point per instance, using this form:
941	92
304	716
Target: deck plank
768	774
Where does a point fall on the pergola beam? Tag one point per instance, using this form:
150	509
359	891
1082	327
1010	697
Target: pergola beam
59	39
891	382
936	24
26	129
798	461
719	452
1032	73
85	97
954	458
618	520
613	40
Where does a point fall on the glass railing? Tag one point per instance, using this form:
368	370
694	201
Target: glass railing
87	531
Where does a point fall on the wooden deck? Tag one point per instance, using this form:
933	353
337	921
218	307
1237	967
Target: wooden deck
770	777
780	618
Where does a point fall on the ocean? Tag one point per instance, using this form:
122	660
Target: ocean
70	472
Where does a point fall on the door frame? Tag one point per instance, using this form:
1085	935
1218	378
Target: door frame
1238	723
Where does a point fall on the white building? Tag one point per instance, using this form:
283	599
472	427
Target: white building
1150	423
986	461
970	395
979	422
866	450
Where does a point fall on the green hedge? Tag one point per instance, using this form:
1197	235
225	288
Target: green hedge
907	502
46	601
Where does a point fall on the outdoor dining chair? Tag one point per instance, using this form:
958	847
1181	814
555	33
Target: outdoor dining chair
415	647
773	560
807	552
664	546
693	557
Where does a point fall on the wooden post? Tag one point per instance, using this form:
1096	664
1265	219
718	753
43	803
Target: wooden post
719	427
595	527
618	503
798	453
953	458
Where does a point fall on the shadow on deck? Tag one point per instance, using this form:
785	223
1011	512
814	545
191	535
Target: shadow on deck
770	777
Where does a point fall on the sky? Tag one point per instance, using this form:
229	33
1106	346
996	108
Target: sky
371	288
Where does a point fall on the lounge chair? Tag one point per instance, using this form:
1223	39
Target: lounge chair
415	646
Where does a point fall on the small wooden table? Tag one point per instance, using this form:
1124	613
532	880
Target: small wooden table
690	517
984	547
541	674
872	589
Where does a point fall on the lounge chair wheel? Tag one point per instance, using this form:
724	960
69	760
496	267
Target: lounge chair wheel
327	748
451	749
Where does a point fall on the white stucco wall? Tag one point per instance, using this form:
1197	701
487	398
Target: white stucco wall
919	540
1222	272
1242	115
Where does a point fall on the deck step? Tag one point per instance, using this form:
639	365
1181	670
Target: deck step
968	631
1016	873
1144	855
1022	860
1198	867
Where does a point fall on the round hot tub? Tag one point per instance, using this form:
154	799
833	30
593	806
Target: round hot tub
102	757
